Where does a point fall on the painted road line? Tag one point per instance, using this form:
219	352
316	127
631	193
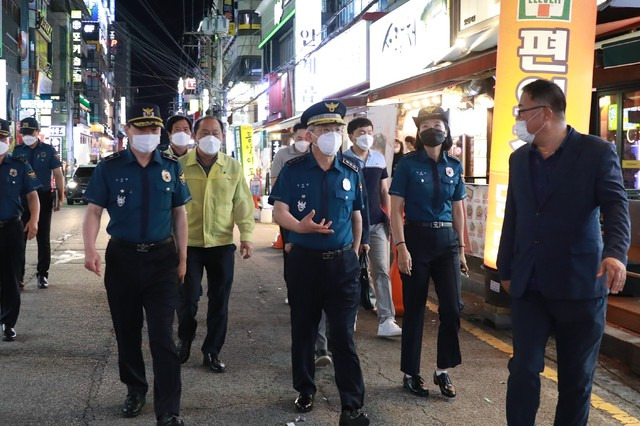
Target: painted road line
618	414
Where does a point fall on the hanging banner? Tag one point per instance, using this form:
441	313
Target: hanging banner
246	146
536	40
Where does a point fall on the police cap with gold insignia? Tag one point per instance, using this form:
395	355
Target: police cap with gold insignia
325	112
28	125
431	112
5	128
144	115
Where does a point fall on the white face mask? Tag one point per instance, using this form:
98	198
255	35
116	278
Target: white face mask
145	143
301	146
364	141
330	143
209	145
4	147
522	132
180	139
29	140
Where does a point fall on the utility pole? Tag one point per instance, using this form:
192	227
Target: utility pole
210	33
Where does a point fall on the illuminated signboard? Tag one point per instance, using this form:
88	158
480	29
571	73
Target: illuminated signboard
76	43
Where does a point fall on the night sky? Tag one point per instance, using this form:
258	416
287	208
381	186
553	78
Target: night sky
154	78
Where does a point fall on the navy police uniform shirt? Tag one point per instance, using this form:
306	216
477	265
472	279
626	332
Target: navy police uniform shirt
17	179
139	199
43	159
428	188
334	195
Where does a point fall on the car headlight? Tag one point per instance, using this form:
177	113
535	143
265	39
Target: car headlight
72	185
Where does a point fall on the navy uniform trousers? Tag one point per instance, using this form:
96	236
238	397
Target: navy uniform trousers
578	326
44	232
314	283
11	257
434	254
145	280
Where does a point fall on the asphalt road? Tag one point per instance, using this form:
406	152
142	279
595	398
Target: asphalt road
62	369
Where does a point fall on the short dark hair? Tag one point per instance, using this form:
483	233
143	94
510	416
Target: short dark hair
299	126
207	117
548	93
357	123
174	119
410	139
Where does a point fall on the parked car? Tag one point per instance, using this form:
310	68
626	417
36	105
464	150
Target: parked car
77	184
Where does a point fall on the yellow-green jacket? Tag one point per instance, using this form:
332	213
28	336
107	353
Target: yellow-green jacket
219	200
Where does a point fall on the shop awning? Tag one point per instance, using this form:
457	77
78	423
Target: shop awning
465	69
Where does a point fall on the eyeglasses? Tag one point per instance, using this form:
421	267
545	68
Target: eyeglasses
328	129
519	111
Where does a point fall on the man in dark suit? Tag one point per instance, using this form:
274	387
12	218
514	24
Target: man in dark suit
552	257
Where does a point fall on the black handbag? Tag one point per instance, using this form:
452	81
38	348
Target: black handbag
367	296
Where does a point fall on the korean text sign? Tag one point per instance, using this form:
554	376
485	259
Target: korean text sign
553	40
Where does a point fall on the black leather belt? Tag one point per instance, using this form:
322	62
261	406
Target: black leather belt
7	222
434	225
325	255
142	247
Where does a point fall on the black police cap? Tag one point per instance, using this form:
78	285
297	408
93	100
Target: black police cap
175	118
325	112
28	125
431	112
144	115
5	128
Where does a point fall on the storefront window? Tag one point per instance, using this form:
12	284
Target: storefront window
631	139
608	117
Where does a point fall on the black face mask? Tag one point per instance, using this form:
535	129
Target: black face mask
432	137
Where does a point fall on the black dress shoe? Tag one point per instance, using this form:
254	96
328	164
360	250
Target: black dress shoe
169	420
8	333
446	387
184	350
214	364
304	402
353	418
416	385
42	282
133	405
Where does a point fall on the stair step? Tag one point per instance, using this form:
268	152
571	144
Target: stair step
624	312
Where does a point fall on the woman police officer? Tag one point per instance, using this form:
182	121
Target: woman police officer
428	188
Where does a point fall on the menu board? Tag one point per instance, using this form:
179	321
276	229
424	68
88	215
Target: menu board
476	205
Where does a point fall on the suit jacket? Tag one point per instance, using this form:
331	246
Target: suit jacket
562	238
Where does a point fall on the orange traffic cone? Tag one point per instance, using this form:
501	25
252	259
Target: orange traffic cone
277	244
396	284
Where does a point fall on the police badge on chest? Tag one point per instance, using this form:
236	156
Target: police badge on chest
302	205
120	199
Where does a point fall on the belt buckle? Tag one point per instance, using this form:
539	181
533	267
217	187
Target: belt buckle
143	248
436	225
327	255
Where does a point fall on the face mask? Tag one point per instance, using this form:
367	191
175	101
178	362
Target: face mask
364	141
301	146
29	140
209	145
145	143
522	132
180	139
330	143
432	137
4	147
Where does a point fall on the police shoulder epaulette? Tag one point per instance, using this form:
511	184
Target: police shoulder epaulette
349	164
169	156
112	156
20	159
453	157
297	160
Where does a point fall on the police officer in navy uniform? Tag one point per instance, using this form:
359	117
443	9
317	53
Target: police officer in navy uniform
17	180
428	188
44	161
144	192
322	267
